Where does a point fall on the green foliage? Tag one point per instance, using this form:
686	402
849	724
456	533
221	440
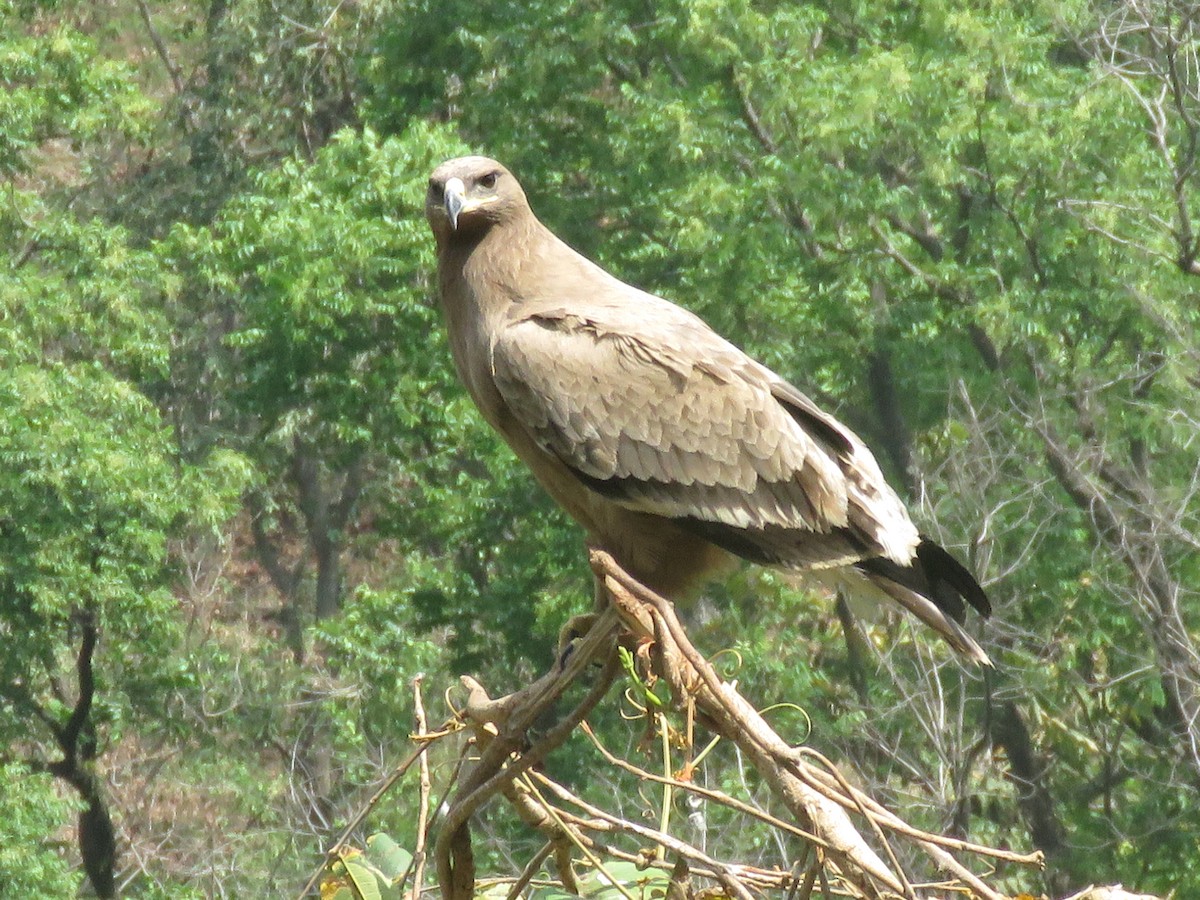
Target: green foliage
93	494
93	489
375	873
489	555
379	873
58	88
276	83
320	269
89	509
31	865
218	288
83	294
375	646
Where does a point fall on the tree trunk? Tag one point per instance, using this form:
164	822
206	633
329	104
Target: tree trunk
1027	770
329	578
285	579
326	519
77	741
97	838
897	439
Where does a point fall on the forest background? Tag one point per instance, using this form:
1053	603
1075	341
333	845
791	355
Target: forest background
244	502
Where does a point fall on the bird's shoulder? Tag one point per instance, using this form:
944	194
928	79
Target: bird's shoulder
630	326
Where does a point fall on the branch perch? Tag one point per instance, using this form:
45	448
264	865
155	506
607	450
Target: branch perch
824	805
501	727
821	802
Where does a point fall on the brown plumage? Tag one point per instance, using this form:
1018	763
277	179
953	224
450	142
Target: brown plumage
671	447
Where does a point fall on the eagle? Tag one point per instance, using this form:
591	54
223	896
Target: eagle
674	450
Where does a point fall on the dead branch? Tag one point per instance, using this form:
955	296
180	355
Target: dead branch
726	874
706	793
825	806
423	799
501	729
820	800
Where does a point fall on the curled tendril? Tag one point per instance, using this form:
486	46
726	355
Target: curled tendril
727	671
458	713
629	698
630	667
808	724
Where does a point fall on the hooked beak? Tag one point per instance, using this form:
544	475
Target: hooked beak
454	199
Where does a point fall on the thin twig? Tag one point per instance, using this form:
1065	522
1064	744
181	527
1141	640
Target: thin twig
587	851
849	791
423	781
160	47
893	822
332	853
707	793
724	871
530	869
757	878
664	819
463	754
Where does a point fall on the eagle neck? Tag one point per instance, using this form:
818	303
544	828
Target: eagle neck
481	276
497	268
481	279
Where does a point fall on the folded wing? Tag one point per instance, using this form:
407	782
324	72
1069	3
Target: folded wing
673	420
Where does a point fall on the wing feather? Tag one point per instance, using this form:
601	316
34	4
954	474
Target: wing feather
678	422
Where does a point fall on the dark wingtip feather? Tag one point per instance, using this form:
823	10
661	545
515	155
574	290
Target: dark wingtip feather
937	576
943	570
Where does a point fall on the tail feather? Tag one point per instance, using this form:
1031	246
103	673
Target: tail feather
932	615
937	576
936	588
947	575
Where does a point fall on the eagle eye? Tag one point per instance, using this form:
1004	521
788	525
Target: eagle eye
488	181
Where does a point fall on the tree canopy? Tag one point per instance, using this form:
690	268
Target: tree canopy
244	501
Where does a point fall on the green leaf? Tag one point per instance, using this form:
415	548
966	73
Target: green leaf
365	880
389	857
